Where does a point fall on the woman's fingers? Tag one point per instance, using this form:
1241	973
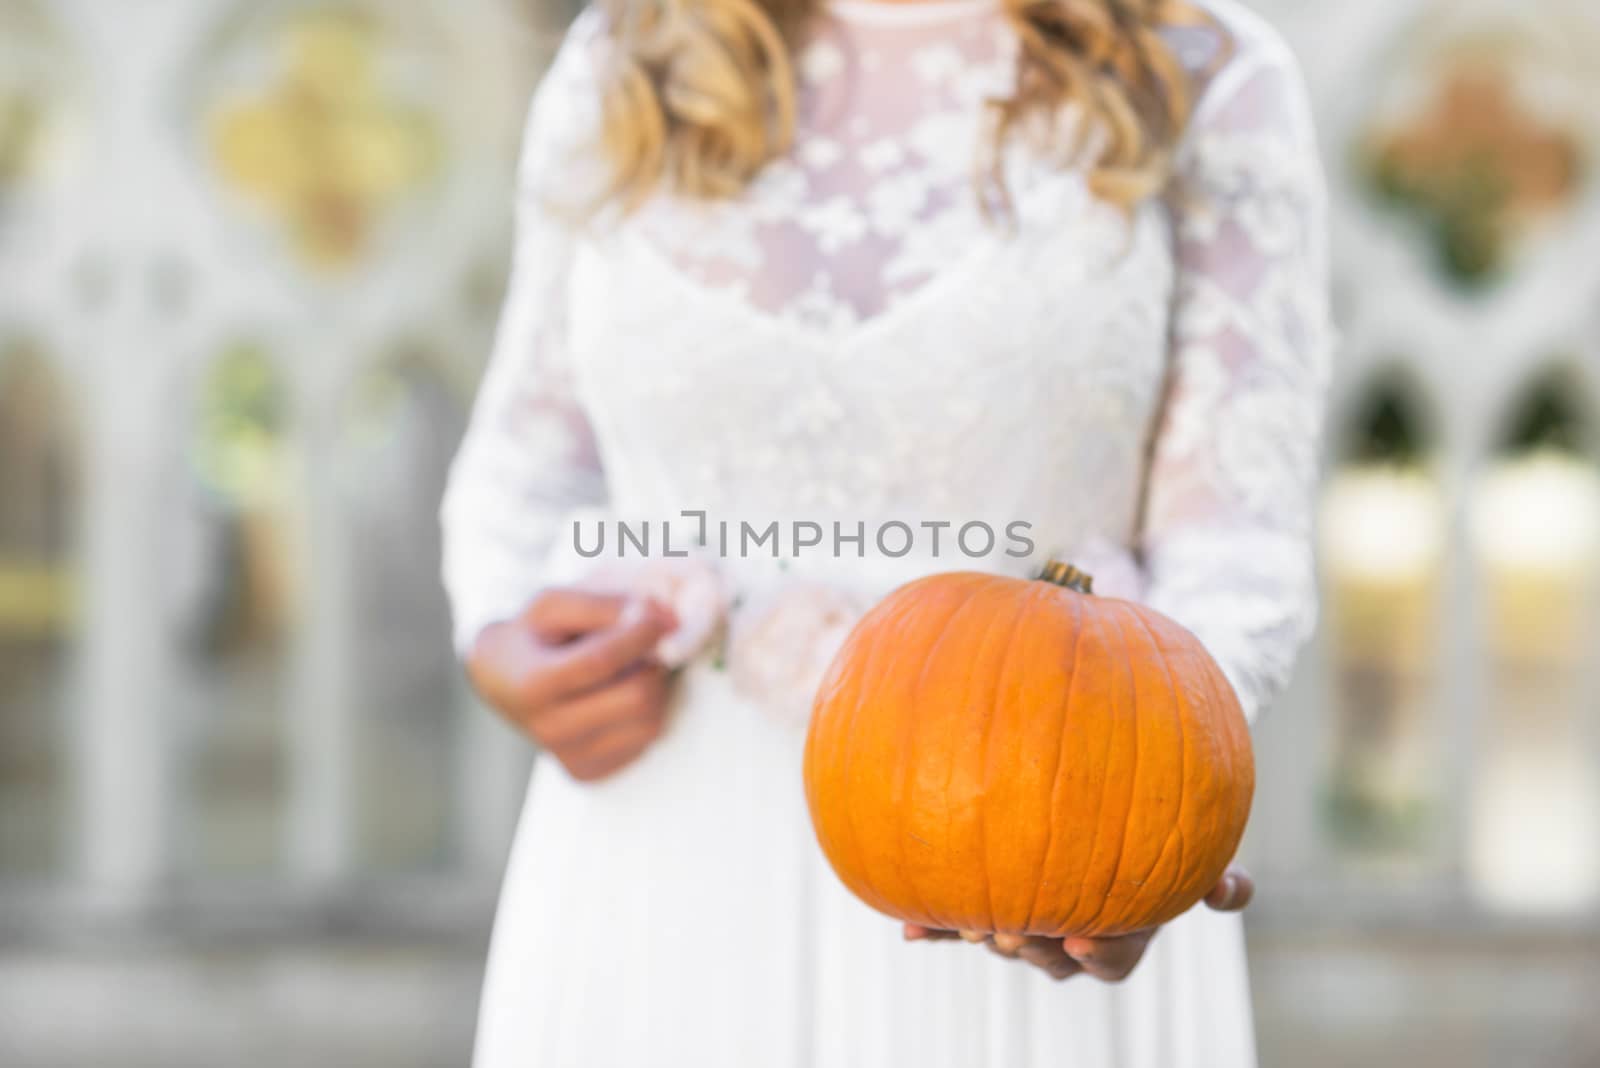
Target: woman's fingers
604	730
1233	892
599	656
1009	944
560	613
1047	955
1109	959
611	751
638	694
575	672
915	932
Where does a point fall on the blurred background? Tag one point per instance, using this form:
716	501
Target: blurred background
251	254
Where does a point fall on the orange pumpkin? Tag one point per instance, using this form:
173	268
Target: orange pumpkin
1022	757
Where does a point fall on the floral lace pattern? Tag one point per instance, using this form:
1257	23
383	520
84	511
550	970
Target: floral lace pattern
852	338
876	198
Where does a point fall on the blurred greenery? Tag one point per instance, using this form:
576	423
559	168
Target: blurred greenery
1363	822
1388	424
1462	211
1550	415
241	420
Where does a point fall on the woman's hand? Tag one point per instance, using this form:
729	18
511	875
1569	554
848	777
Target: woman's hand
576	672
1109	959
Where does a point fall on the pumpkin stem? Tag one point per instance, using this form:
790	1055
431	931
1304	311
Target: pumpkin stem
1058	573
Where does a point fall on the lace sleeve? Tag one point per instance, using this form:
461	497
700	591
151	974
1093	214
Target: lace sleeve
529	455
1227	538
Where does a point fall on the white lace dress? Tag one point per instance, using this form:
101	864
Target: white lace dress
852	341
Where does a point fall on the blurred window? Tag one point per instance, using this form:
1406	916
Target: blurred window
38	499
1383	552
1535	841
320	121
401	426
235	602
36	95
1475	149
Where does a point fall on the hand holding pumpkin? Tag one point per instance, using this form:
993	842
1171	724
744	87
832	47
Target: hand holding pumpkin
1109	959
576	671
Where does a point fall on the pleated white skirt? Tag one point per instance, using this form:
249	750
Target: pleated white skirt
681	914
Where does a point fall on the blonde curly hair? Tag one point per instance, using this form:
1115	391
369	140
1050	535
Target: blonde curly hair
699	95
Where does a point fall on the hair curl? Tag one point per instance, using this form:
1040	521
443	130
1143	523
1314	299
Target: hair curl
699	95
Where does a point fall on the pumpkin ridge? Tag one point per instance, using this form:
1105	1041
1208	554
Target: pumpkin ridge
1233	754
1133	787
1180	706
1240	753
1099	810
981	822
1052	801
851	737
907	753
1007	667
1243	752
906	733
1181	710
1225	752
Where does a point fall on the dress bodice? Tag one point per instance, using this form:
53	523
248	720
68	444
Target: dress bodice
855	338
1021	383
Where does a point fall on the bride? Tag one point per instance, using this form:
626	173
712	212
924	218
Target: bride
828	268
